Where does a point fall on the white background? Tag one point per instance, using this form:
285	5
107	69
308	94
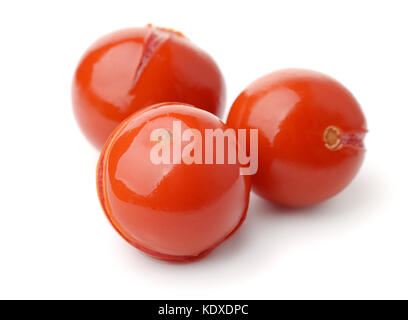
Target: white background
55	241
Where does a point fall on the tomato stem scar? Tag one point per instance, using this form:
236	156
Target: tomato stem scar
331	138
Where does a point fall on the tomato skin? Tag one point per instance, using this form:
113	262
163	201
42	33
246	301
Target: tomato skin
175	212
300	163
130	69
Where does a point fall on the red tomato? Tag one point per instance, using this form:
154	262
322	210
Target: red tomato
171	211
131	69
311	132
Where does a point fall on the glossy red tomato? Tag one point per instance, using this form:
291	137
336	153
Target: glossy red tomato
131	69
311	132
173	211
